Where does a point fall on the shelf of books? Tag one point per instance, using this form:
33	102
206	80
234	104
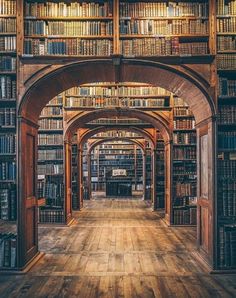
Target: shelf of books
50	162
160	177
109	95
115	155
132	29
68	28
164	28
184	165
148	176
226	65
8	199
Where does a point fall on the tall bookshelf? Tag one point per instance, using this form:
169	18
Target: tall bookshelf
115	155
51	162
8	199
184	165
226	65
160	177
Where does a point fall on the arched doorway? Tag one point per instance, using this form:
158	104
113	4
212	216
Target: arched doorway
41	87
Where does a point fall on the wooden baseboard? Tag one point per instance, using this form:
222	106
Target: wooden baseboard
57	224
25	269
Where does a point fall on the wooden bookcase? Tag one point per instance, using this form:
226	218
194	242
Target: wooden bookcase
226	65
8	198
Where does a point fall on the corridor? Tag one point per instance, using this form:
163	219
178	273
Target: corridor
117	248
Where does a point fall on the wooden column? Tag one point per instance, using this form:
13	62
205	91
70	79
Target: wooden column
144	175
80	177
89	176
206	192
27	223
154	175
68	181
168	181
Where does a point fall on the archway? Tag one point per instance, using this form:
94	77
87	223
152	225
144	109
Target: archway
41	87
140	143
157	120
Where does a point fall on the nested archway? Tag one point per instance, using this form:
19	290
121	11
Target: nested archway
159	122
37	90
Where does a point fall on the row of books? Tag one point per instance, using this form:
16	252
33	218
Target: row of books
227	168
226	25
7	7
51	215
50	169
179	102
187	168
7	25
58	100
7	170
8	250
53	192
182	111
184	153
227	197
118	133
50	154
227	86
227	250
185	216
226	43
69	46
117	90
7	43
227	114
163	27
162	46
161	9
184	124
101	102
73	9
97	153
7	117
184	138
50	139
7	204
226	7
184	189
227	140
7	87
225	61
7	143
117	121
65	28
51	111
181	201
7	63
50	123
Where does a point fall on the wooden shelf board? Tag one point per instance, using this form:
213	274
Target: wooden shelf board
70	18
123	36
164	18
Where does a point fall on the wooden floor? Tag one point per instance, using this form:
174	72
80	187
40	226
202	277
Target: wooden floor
117	248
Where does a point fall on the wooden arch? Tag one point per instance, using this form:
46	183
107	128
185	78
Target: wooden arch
89	133
40	83
41	87
105	140
157	120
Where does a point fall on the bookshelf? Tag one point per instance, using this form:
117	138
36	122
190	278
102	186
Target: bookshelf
184	165
8	199
104	28
160	176
226	65
116	155
51	162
